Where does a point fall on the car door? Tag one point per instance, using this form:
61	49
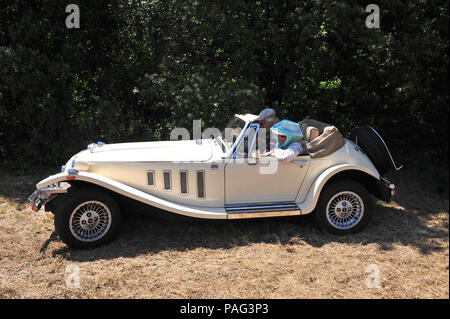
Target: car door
262	180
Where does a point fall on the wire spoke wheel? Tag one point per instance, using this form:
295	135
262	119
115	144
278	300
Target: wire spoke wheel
90	221
345	210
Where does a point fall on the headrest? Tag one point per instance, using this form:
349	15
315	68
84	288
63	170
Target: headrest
311	133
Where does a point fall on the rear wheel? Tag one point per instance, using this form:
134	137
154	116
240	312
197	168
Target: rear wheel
343	208
89	217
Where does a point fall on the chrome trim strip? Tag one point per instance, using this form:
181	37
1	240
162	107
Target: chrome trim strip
264	214
235	207
395	166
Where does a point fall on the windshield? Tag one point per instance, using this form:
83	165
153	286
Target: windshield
232	130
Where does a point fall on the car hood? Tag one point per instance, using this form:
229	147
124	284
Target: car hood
170	151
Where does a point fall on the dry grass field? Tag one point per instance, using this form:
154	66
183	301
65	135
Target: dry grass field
407	242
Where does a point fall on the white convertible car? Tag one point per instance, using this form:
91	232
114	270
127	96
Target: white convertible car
215	178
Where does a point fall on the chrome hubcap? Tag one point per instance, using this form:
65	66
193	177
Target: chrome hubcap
90	221
345	210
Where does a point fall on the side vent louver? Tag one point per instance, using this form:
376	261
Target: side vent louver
200	184
167	181
151	178
183	183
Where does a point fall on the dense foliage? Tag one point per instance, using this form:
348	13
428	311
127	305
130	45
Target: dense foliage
136	69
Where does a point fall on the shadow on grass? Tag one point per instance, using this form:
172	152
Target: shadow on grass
146	235
406	222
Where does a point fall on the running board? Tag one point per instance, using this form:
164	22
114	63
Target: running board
260	210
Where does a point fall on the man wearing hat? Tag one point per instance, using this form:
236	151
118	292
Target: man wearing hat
268	118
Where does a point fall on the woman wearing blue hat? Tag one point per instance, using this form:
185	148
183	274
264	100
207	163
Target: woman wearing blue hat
289	136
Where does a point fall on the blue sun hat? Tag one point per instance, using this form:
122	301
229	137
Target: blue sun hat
290	129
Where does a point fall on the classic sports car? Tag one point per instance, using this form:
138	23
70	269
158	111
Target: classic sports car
215	178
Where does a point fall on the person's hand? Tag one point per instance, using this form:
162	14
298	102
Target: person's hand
255	154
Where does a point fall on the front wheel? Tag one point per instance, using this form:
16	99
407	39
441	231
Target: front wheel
343	208
88	218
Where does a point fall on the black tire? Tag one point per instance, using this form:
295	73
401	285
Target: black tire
84	205
339	195
374	147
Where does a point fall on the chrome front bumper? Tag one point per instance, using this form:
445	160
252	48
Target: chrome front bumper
44	195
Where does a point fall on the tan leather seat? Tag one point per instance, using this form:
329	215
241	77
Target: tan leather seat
320	139
309	132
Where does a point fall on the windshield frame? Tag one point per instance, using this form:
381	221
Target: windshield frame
230	152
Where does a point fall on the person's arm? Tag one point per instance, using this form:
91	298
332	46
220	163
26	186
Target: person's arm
288	154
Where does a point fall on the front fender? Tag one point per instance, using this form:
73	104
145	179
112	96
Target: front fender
133	193
310	202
